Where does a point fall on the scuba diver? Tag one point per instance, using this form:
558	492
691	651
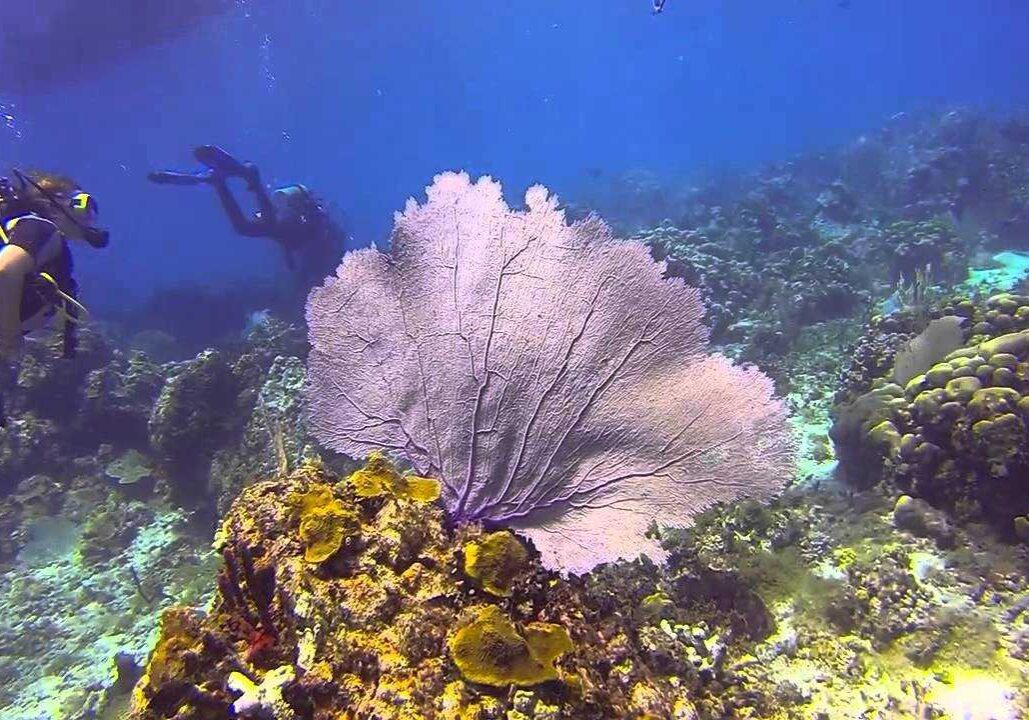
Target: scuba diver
39	214
659	6
291	216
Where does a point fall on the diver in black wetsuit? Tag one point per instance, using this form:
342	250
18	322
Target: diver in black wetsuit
291	216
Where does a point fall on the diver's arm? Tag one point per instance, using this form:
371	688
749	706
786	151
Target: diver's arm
15	264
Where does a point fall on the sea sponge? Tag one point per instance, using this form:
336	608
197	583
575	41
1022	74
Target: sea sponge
490	651
264	699
495	560
325	523
379	477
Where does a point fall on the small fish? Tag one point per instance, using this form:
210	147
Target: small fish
659	5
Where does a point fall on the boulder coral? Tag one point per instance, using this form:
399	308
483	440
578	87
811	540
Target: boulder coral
956	434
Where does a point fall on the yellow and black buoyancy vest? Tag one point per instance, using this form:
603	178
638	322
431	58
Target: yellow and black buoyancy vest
50	290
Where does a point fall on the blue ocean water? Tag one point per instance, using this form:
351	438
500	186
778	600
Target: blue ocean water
364	102
858	596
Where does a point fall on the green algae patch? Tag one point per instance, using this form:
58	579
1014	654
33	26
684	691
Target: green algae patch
783	575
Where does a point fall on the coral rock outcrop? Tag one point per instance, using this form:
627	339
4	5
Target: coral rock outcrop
387	624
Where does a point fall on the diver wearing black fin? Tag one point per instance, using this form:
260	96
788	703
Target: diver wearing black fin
38	217
659	6
291	216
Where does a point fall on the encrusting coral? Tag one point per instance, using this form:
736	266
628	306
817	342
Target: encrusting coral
325	523
378	477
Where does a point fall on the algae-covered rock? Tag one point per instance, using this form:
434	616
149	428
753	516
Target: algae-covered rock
194	413
919	517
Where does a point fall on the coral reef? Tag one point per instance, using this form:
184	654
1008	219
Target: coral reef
817	238
759	297
91	572
778	612
844	618
387	626
342	592
118	398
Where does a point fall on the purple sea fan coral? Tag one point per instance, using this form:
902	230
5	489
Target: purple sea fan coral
548	374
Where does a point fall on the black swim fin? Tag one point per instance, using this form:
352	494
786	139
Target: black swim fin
221	162
164	177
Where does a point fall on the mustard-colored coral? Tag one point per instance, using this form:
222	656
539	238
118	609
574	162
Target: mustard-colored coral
421	489
379	477
325	523
547	642
490	651
179	635
495	560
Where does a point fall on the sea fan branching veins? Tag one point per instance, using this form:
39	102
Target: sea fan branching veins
547	373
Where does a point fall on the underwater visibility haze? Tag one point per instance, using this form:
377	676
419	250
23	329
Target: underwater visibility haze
528	360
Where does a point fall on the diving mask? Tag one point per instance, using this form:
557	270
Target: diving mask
84	211
80	208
